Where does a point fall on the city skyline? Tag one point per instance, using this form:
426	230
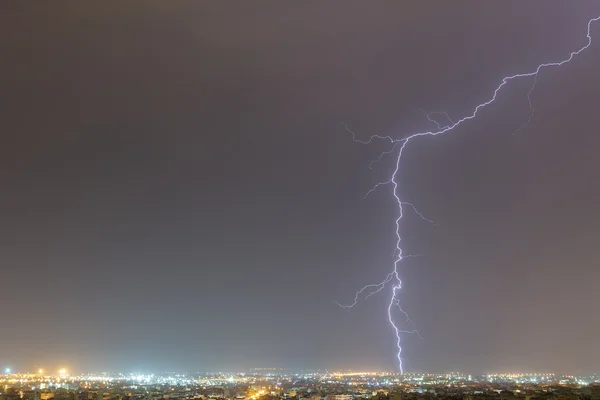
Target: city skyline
311	386
63	371
181	192
275	373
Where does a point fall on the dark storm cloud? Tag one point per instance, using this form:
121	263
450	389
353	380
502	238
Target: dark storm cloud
178	192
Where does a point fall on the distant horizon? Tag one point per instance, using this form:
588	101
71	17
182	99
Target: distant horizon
292	371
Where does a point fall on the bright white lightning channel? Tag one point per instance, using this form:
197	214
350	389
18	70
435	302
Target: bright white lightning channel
398	145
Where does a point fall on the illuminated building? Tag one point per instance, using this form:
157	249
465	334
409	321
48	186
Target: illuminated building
595	390
339	397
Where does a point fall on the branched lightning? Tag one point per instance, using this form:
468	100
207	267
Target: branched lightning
430	117
374	288
531	109
419	213
399	145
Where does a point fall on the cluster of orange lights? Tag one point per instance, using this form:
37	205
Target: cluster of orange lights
62	371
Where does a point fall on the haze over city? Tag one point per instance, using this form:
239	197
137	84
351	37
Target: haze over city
181	190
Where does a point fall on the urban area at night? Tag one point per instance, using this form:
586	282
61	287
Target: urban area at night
275	384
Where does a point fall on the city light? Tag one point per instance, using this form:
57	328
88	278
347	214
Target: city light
324	385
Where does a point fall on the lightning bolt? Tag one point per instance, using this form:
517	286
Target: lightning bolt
399	145
431	118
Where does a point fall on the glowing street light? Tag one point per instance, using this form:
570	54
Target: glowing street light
40	371
7	370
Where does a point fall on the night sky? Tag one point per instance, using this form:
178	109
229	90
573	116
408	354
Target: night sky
178	192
